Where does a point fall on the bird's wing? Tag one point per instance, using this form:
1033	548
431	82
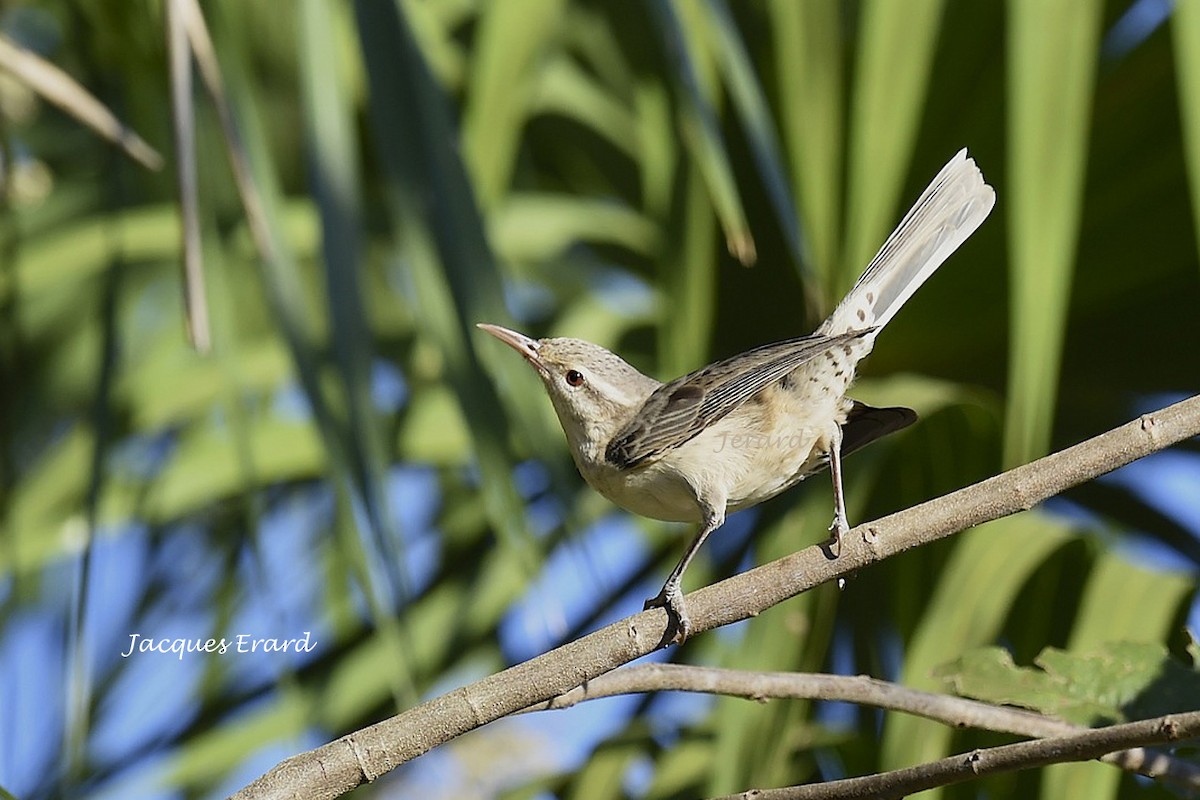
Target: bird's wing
864	424
678	411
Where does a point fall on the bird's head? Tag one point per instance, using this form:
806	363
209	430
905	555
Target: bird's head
594	392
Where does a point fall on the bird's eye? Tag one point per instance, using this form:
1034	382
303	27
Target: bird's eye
574	377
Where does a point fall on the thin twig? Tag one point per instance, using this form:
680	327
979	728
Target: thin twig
957	711
993	760
335	768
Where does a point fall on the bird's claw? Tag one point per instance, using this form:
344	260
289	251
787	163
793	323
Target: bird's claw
838	528
678	625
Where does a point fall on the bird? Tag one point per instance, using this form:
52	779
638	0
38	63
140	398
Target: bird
743	429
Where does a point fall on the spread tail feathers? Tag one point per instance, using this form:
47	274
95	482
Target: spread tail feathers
946	213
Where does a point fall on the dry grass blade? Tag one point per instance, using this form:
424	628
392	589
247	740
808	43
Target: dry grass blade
183	119
193	24
63	91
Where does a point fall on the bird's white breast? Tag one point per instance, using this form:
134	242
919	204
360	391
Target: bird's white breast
762	448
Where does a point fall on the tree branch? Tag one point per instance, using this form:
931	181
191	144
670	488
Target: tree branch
335	768
993	760
862	690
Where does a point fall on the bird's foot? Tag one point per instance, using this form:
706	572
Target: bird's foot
837	529
678	624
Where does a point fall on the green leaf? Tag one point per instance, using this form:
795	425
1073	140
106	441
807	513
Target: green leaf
602	775
894	58
689	276
205	466
1117	682
44	520
504	78
539	226
1120	601
564	88
808	55
678	773
1048	136
1185	27
975	592
433	430
330	128
767	744
681	29
751	106
443	244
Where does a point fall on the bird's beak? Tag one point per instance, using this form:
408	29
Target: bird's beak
517	341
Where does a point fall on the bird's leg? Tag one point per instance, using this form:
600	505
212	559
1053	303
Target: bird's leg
840	526
671	596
